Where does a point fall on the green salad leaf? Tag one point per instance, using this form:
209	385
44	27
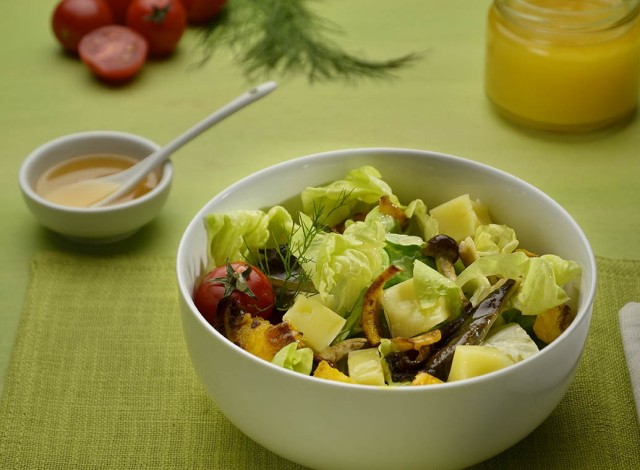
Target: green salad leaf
293	358
234	235
341	266
357	193
540	288
491	239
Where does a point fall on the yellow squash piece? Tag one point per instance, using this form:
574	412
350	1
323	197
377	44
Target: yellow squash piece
551	323
259	337
422	378
325	371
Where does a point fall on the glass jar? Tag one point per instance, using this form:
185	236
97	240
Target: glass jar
563	65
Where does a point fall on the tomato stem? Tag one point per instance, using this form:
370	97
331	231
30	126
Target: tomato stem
235	281
158	14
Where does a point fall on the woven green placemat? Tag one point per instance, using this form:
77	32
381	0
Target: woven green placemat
100	378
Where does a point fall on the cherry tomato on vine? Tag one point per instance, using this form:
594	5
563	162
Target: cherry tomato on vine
114	53
201	12
72	19
245	284
161	22
119	9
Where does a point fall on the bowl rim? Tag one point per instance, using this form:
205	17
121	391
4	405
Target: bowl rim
582	315
38	153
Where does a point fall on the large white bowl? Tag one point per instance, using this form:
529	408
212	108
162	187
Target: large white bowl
331	425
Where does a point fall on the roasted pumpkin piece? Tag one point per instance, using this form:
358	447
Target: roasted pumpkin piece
325	371
551	323
422	378
263	339
255	334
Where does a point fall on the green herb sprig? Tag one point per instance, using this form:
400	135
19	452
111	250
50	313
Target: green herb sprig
286	37
293	258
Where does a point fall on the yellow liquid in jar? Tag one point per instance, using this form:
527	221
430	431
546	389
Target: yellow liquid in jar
561	82
86	167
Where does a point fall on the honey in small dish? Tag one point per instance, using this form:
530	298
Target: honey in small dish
90	166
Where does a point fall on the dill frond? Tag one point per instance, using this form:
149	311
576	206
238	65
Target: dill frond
286	37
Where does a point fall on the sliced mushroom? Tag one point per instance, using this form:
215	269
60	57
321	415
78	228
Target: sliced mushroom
417	342
467	251
389	208
335	353
371	308
444	250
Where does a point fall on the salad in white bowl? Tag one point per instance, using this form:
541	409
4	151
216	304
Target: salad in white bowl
361	287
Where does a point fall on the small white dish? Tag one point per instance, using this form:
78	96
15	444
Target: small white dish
96	224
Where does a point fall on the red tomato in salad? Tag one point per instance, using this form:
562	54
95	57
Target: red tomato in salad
113	53
119	9
161	22
72	19
252	291
201	12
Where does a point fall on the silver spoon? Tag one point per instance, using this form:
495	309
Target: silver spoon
97	192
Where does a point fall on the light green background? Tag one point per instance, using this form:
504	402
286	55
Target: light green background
437	104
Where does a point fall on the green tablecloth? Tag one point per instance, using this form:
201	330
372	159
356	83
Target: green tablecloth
437	104
100	378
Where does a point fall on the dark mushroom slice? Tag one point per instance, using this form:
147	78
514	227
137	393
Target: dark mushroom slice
444	250
473	330
411	355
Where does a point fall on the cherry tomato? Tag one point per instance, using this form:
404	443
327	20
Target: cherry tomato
119	10
252	292
114	53
72	19
201	12
161	22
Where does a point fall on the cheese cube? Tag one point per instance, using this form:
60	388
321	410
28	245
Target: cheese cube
365	367
318	324
472	361
459	217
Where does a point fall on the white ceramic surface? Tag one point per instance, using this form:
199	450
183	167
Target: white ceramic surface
330	425
96	224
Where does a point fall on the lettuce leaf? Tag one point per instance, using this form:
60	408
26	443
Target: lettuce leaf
298	360
358	192
403	250
474	279
511	339
420	222
492	239
341	266
540	288
234	235
438	296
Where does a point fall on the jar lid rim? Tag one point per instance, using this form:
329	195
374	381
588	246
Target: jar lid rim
609	14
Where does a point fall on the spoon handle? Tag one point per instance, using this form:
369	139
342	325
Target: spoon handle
131	177
227	110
